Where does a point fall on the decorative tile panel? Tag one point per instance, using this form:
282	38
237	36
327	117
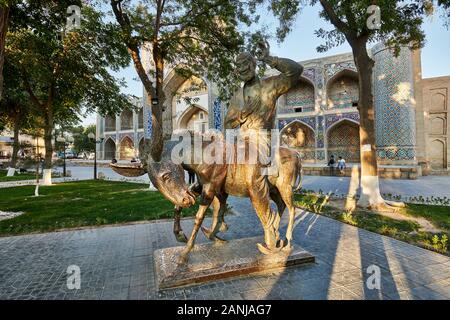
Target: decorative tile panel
334	68
217	112
310	121
310	73
394	100
333	118
320	155
110	136
320	132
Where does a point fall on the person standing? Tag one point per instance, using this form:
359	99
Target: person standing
191	177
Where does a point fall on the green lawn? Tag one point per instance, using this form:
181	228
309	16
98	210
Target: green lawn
84	203
23	176
16	177
407	231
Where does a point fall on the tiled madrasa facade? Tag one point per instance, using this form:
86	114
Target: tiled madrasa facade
320	117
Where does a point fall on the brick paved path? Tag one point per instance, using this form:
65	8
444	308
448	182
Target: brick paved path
117	263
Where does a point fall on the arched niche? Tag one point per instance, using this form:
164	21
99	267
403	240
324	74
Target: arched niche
127	151
343	141
437	152
300	98
438	102
191	103
194	118
299	136
126	120
110	123
438	126
110	149
343	90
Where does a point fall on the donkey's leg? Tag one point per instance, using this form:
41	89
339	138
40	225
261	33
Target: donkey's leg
206	199
223	209
287	195
219	208
259	195
177	231
281	206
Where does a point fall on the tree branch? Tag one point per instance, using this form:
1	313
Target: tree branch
29	90
132	46
336	21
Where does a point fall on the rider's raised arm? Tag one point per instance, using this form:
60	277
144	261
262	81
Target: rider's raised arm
289	76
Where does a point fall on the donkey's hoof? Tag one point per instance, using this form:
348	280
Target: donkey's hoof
223	227
209	234
218	239
268	251
288	247
182	260
181	237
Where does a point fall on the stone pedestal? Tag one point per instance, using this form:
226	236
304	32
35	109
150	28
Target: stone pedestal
214	261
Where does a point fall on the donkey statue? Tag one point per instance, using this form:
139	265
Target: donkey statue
169	178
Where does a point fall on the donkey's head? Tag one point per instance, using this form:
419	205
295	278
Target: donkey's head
169	178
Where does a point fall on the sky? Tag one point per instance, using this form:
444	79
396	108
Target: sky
301	45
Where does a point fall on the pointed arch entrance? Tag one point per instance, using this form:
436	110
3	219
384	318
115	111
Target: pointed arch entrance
110	149
343	141
127	149
299	136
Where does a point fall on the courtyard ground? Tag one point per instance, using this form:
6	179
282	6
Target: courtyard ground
117	263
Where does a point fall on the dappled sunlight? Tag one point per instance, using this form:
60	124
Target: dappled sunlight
403	93
350	203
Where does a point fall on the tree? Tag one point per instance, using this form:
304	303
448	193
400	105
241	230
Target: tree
5	8
200	37
65	70
15	109
82	143
445	5
400	25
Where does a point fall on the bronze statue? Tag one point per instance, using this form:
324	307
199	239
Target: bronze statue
169	179
253	107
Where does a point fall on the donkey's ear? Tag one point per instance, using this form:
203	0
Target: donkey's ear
129	170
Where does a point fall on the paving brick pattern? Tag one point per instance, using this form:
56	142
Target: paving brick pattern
117	263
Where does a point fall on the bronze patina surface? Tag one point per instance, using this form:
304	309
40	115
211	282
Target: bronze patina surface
213	261
252	108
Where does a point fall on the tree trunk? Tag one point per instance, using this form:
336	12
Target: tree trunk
48	146
157	143
370	196
16	144
48	130
4	18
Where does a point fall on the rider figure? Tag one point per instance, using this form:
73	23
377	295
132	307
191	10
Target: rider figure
253	107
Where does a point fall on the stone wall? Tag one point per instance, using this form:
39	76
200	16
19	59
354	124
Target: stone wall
436	94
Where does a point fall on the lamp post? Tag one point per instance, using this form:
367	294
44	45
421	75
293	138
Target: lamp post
62	140
91	136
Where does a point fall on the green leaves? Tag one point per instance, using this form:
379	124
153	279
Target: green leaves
69	69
